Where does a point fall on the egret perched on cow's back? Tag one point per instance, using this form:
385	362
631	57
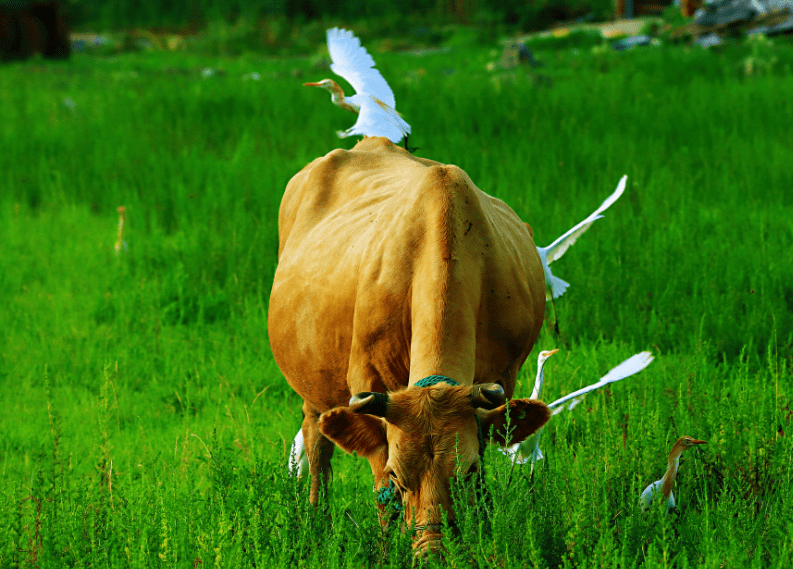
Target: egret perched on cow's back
554	286
373	100
529	449
663	487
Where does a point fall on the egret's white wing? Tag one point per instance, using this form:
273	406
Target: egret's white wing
558	248
650	493
374	120
353	62
656	490
632	365
298	460
529	449
395	118
514	452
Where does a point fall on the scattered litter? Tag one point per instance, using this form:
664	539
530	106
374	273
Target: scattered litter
709	40
252	76
207	72
81	42
728	17
525	55
514	55
628	43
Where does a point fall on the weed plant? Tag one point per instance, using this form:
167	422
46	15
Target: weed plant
145	424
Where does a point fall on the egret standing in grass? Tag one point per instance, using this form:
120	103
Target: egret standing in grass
554	286
529	449
534	444
663	487
373	100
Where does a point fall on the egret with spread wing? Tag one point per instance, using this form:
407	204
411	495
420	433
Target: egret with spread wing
663	487
529	449
373	100
554	286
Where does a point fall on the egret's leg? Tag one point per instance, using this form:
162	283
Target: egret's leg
555	319
411	150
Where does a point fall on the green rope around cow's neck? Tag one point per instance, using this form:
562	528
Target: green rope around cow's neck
386	495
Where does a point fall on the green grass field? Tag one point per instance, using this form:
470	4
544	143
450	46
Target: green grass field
144	423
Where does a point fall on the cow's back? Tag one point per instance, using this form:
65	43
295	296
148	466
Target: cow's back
392	268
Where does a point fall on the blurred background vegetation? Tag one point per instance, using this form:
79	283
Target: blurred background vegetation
408	16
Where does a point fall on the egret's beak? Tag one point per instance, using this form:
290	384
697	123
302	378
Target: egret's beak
311	84
697	442
552	352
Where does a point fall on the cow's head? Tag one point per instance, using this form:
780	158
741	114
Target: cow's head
421	437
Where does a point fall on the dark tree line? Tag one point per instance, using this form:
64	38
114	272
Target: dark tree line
33	27
103	14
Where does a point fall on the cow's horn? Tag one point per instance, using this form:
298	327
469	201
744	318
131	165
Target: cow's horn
370	403
488	396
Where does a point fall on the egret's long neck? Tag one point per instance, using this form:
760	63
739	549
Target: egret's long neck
337	98
538	382
671	471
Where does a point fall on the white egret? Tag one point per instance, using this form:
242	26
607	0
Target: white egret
373	100
554	286
529	449
536	453
663	487
298	460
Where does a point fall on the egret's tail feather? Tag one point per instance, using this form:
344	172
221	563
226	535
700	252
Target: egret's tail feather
558	288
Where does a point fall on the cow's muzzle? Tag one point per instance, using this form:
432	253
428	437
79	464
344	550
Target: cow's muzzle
429	543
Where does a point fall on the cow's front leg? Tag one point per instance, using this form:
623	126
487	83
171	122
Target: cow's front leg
319	451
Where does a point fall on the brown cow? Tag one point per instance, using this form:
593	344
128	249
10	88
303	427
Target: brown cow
392	268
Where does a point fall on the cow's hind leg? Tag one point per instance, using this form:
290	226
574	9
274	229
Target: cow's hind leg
319	450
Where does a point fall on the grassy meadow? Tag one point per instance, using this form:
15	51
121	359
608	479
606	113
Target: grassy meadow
144	423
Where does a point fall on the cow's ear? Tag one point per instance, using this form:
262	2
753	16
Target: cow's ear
526	416
531	231
354	432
